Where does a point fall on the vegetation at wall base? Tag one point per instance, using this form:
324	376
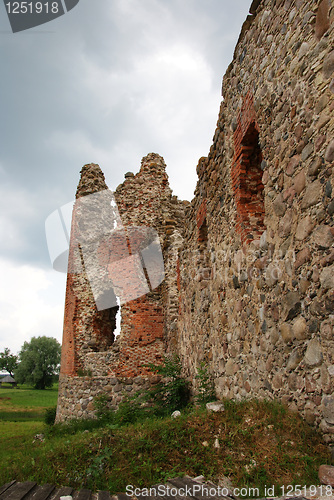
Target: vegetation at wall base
50	415
172	392
206	388
260	443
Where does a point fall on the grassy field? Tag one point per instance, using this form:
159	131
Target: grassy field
21	417
24	403
253	443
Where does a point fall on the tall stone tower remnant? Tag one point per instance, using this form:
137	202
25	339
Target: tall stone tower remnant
116	240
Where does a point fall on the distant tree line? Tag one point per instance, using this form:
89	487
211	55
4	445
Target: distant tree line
37	363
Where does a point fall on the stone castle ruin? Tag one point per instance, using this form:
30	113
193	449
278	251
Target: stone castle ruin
249	262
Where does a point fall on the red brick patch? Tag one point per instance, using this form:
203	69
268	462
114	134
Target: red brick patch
246	174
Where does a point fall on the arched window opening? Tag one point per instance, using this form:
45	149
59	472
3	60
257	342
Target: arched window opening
247	175
104	327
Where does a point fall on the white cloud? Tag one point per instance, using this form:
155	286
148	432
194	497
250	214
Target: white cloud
14	205
30	304
78	143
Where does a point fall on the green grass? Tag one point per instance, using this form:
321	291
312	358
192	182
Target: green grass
25	404
21	417
27	398
260	443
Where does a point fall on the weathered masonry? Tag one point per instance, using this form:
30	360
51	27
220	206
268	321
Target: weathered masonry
249	263
92	360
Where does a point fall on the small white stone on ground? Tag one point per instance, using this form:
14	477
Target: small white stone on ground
215	406
326	474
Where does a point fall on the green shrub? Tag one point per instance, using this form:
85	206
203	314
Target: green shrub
170	394
131	410
206	389
75	426
50	415
102	410
173	392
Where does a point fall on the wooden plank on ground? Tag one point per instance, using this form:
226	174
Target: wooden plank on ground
179	484
203	490
103	495
194	489
82	495
225	489
6	486
160	492
198	489
17	491
41	492
123	496
61	492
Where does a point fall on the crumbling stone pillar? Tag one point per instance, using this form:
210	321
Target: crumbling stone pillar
124	262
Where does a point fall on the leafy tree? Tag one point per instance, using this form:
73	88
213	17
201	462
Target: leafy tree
39	362
8	361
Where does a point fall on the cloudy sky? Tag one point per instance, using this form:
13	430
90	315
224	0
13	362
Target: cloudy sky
108	82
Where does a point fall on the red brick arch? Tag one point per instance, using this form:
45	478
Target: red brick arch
246	174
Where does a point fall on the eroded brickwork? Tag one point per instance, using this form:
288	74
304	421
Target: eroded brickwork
91	357
83	324
246	173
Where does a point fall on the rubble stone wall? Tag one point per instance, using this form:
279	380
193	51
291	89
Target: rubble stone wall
256	267
77	395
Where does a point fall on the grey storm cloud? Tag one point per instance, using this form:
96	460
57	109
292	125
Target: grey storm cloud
108	82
